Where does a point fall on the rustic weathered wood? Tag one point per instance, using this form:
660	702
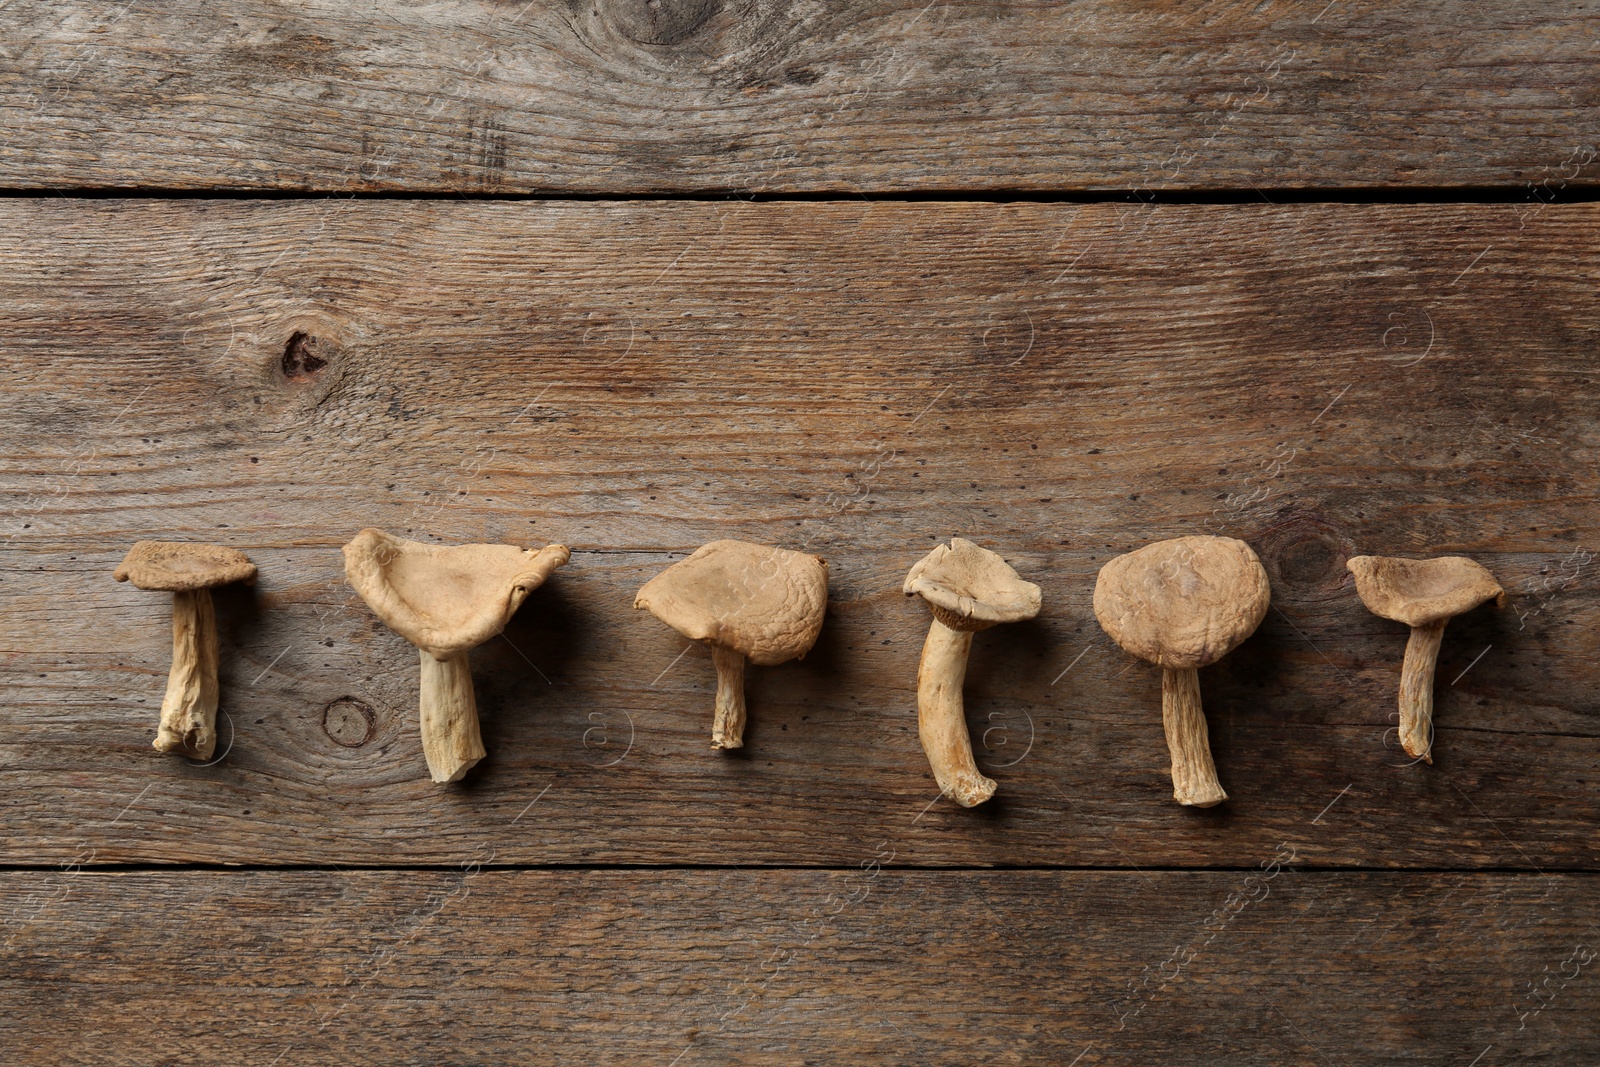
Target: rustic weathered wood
858	381
1262	966
621	96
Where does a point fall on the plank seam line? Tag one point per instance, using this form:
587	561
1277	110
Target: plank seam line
1519	193
622	868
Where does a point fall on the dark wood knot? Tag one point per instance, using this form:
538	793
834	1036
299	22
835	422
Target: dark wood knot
662	23
305	356
1305	553
349	722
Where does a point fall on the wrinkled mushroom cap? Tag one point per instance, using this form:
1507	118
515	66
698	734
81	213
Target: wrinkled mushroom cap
180	567
1422	591
1183	603
764	603
971	588
445	599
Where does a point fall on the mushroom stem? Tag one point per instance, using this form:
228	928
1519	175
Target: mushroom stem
942	719
1194	776
450	739
189	709
1416	689
727	725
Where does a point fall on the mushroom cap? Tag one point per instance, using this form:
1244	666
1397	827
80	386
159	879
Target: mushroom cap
1422	591
182	567
971	588
764	603
445	599
1183	603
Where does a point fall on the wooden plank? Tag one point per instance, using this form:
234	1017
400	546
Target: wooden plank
1266	966
1061	382
624	98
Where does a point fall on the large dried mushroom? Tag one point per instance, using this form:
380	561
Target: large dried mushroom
968	589
747	602
1425	594
1183	604
189	572
446	600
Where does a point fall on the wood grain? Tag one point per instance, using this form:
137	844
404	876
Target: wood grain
1267	966
1059	382
626	97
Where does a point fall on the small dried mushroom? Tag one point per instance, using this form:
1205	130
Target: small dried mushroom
189	572
446	600
1425	594
747	602
1183	604
968	588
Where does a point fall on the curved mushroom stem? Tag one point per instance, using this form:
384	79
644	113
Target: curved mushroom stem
189	709
1416	689
1194	776
450	738
942	719
727	726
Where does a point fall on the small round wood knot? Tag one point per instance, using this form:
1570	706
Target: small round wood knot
660	22
1305	552
1309	560
349	722
305	356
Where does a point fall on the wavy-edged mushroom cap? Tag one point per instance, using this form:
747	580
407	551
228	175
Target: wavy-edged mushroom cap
1422	591
1183	603
971	588
762	602
445	599
180	567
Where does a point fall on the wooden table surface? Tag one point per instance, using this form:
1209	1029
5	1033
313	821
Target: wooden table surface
854	278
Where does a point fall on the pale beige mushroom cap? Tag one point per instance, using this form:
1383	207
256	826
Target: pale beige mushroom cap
971	588
445	599
180	567
1183	603
764	603
1422	591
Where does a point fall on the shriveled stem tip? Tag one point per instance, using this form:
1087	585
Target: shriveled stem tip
1416	689
942	719
189	709
450	738
727	726
1194	775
